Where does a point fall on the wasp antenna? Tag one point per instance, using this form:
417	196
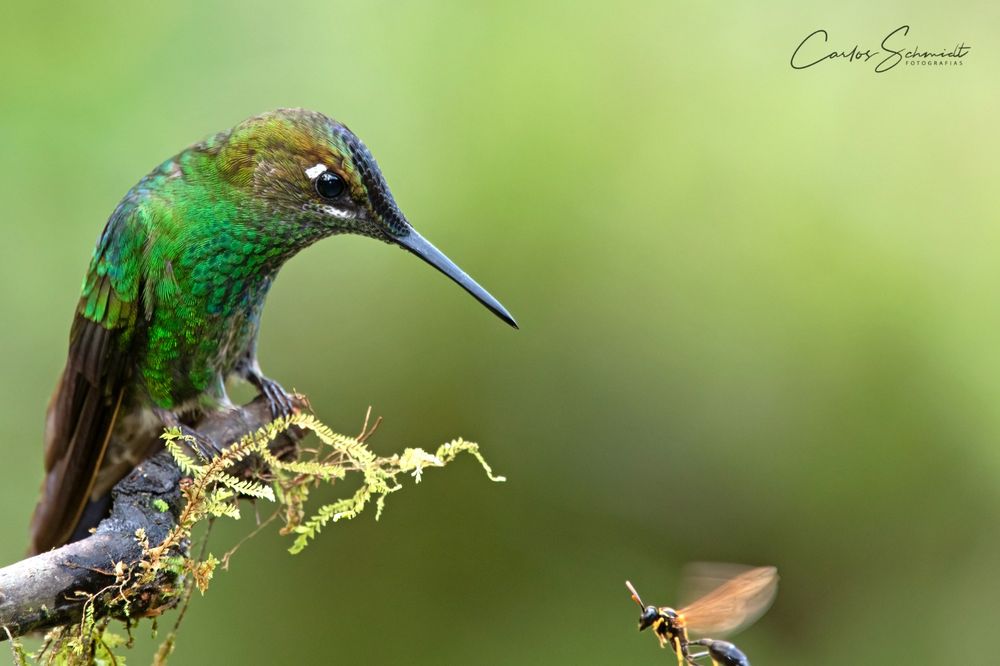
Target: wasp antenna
635	595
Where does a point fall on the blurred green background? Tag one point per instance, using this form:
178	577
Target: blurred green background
759	312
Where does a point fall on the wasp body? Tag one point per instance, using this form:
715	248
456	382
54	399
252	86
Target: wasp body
735	603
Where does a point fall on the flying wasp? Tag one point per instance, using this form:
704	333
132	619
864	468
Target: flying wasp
728	599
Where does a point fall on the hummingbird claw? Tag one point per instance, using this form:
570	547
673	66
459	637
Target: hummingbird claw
200	444
277	398
203	446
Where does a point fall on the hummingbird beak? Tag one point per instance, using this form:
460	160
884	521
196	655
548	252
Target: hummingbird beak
419	246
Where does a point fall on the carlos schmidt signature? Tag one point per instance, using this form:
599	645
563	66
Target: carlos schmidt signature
811	51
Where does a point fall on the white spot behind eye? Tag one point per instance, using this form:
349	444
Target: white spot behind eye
312	172
337	212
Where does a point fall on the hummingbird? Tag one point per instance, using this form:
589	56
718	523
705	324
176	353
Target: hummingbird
171	303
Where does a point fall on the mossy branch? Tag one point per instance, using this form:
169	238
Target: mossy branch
48	590
138	561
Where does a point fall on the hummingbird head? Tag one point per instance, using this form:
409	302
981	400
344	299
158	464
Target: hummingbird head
319	179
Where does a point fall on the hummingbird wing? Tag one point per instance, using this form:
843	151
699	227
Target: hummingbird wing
84	407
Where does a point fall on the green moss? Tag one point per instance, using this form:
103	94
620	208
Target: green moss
213	492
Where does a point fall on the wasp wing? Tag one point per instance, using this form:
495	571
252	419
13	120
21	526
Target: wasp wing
736	597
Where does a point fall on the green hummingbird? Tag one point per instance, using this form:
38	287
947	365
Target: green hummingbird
171	303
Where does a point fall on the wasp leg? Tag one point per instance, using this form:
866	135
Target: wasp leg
692	659
679	651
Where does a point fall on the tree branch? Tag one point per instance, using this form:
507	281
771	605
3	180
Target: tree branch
49	589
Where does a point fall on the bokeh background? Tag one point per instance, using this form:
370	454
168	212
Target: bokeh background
759	309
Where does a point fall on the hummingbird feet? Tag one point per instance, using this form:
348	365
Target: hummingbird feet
278	399
202	445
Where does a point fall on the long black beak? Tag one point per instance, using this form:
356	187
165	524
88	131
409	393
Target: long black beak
419	246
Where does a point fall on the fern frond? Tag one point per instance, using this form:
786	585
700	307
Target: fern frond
320	470
247	487
343	509
448	452
177	452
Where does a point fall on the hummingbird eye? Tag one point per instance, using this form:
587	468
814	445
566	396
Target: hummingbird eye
329	185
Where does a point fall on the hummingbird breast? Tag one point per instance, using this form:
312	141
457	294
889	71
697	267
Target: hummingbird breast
194	340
